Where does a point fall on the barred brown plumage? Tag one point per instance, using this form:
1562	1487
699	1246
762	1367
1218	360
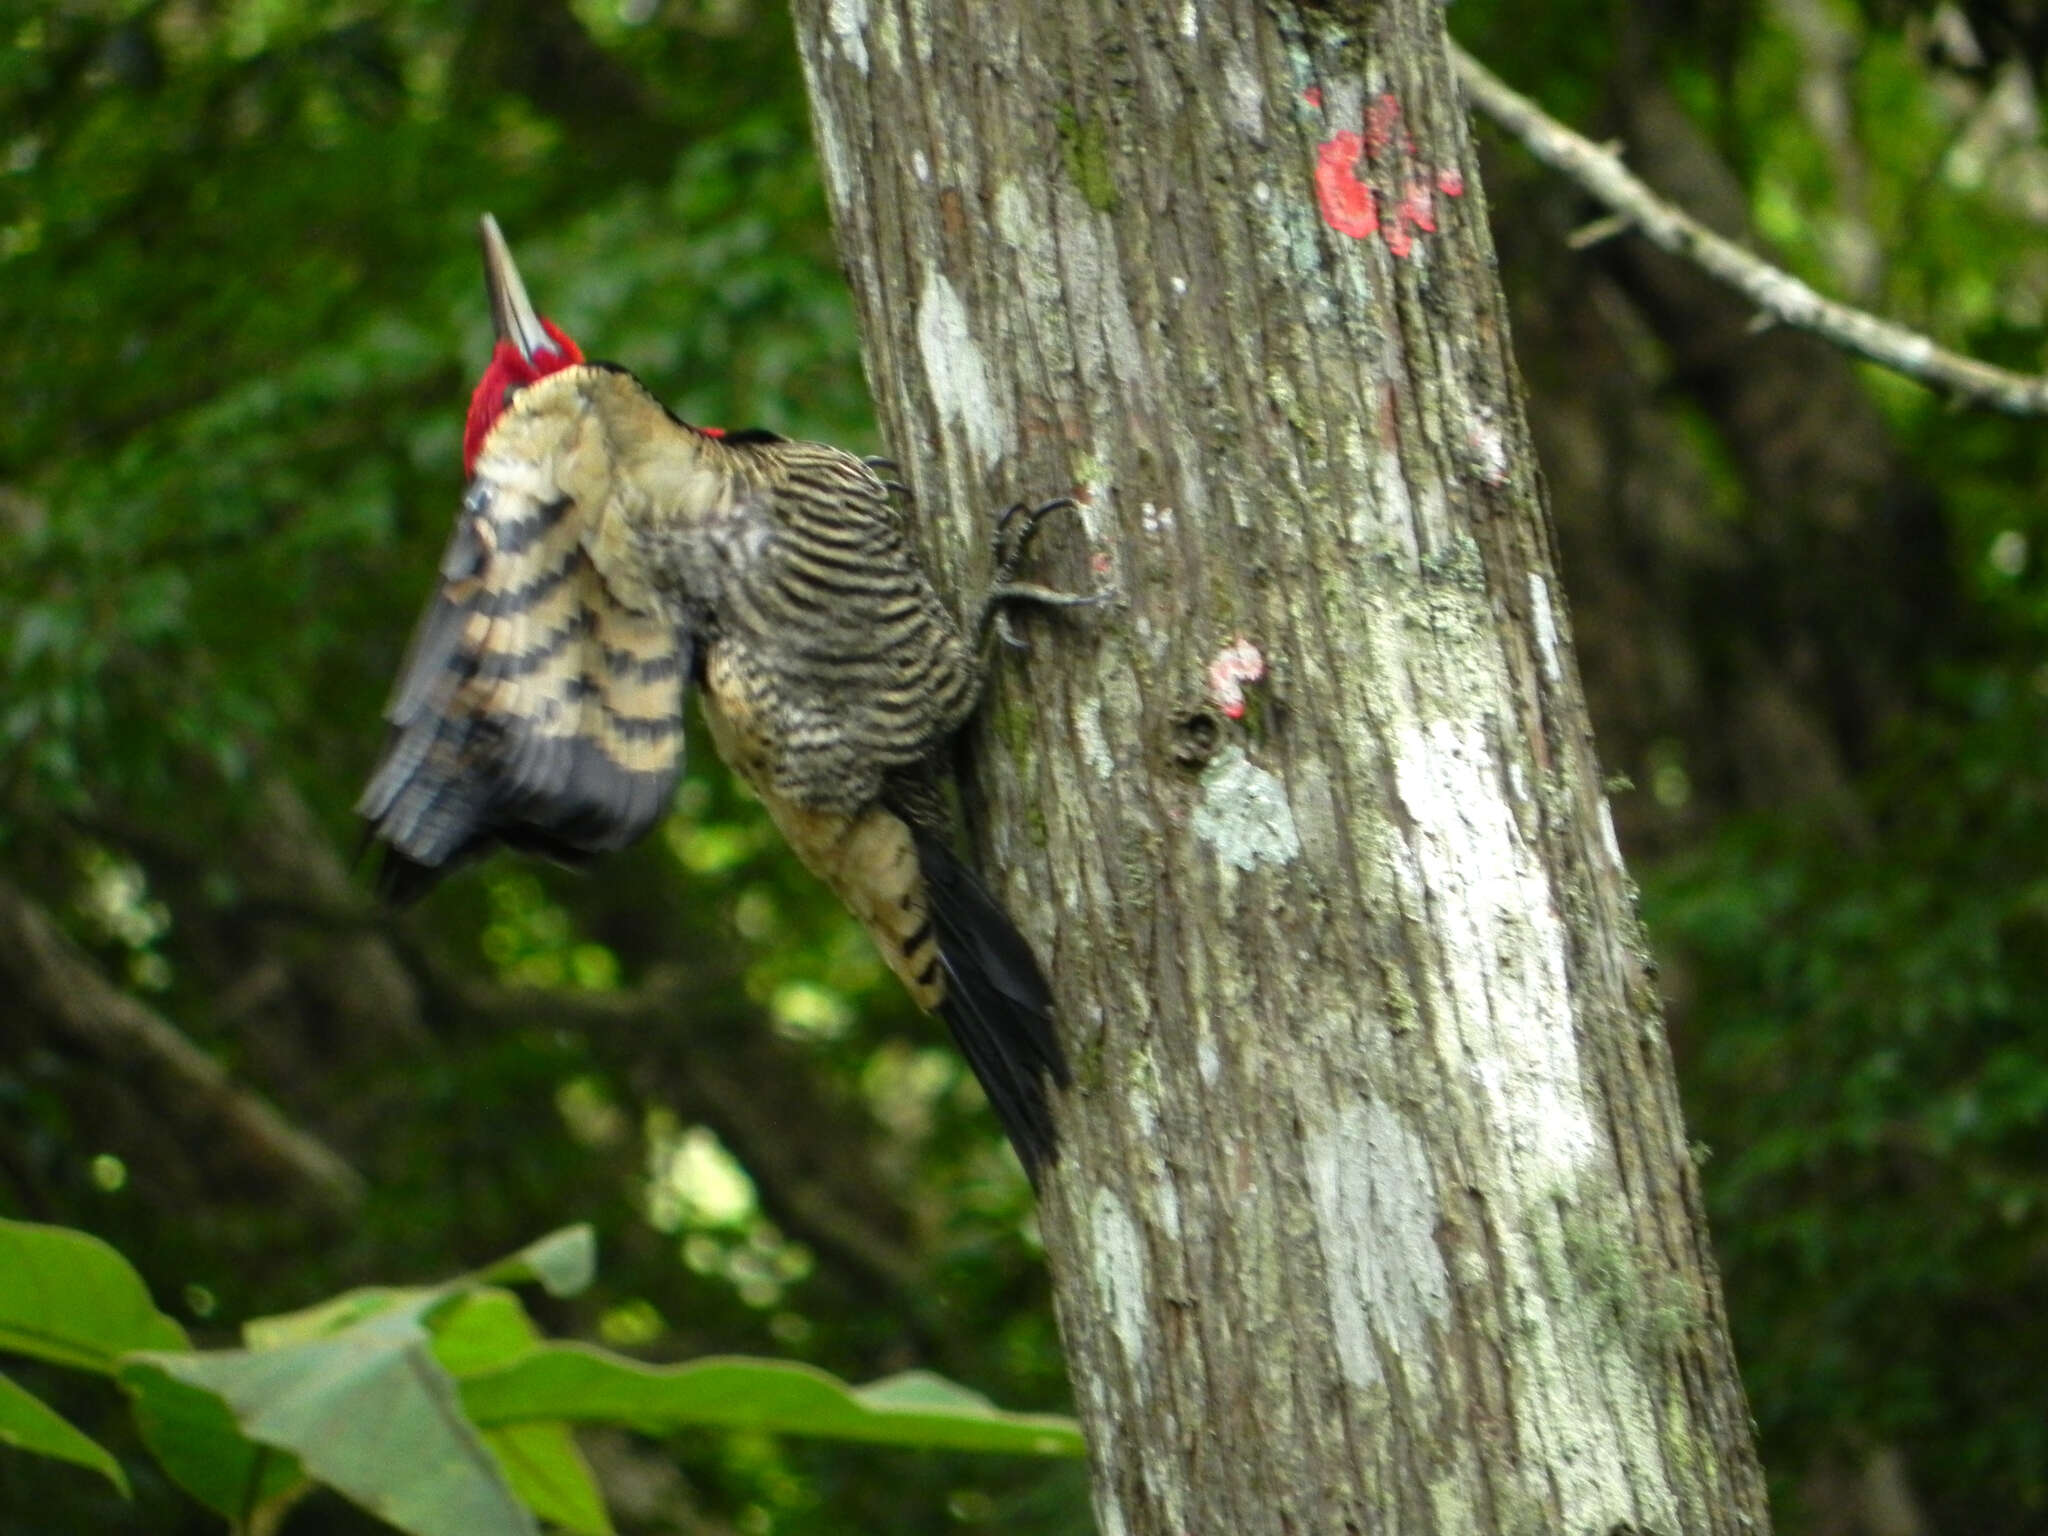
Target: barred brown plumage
606	555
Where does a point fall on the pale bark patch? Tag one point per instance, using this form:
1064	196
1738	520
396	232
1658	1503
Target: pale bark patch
1244	99
954	370
848	20
1094	746
838	164
1608	840
1244	813
1544	617
918	13
1121	1284
1093	285
1386	517
1489	451
1163	1200
1376	1212
1504	948
889	38
1029	232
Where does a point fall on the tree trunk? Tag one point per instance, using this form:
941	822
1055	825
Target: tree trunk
1375	1211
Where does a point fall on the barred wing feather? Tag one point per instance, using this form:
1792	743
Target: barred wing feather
534	708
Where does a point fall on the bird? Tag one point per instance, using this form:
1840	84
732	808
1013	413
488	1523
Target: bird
608	558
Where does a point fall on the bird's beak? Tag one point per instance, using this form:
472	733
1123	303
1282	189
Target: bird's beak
512	311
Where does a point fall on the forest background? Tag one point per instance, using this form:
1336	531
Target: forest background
239	315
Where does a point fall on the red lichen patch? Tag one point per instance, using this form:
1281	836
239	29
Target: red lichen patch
1417	210
1352	207
1347	202
1314	97
1235	665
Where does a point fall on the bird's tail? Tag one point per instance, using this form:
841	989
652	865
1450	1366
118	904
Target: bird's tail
996	1003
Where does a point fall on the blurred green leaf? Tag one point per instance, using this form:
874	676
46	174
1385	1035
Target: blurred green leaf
482	1331
542	1463
333	1315
576	1382
30	1424
307	1382
562	1263
370	1412
68	1298
193	1435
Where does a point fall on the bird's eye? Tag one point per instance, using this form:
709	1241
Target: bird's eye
510	391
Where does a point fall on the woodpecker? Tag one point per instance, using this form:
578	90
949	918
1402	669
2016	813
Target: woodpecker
607	556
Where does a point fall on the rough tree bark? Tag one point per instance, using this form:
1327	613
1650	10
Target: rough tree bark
1376	1212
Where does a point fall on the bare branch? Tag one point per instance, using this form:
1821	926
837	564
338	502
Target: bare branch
1781	297
60	983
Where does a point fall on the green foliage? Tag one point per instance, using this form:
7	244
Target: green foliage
574	1381
240	311
440	1409
68	1298
29	1424
193	1434
1872	1074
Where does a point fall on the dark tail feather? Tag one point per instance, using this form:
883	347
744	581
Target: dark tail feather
997	1003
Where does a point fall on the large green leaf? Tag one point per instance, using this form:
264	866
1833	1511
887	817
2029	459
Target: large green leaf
29	1423
562	1263
68	1298
193	1435
481	1330
487	1329
577	1382
229	1426
332	1316
370	1412
548	1472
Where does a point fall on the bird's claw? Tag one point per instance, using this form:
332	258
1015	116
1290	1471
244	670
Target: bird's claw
1010	546
1013	534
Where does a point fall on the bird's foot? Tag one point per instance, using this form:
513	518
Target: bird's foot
884	470
1014	530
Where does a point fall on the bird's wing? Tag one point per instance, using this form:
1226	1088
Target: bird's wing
534	708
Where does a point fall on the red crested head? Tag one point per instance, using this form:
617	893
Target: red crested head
528	348
510	370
